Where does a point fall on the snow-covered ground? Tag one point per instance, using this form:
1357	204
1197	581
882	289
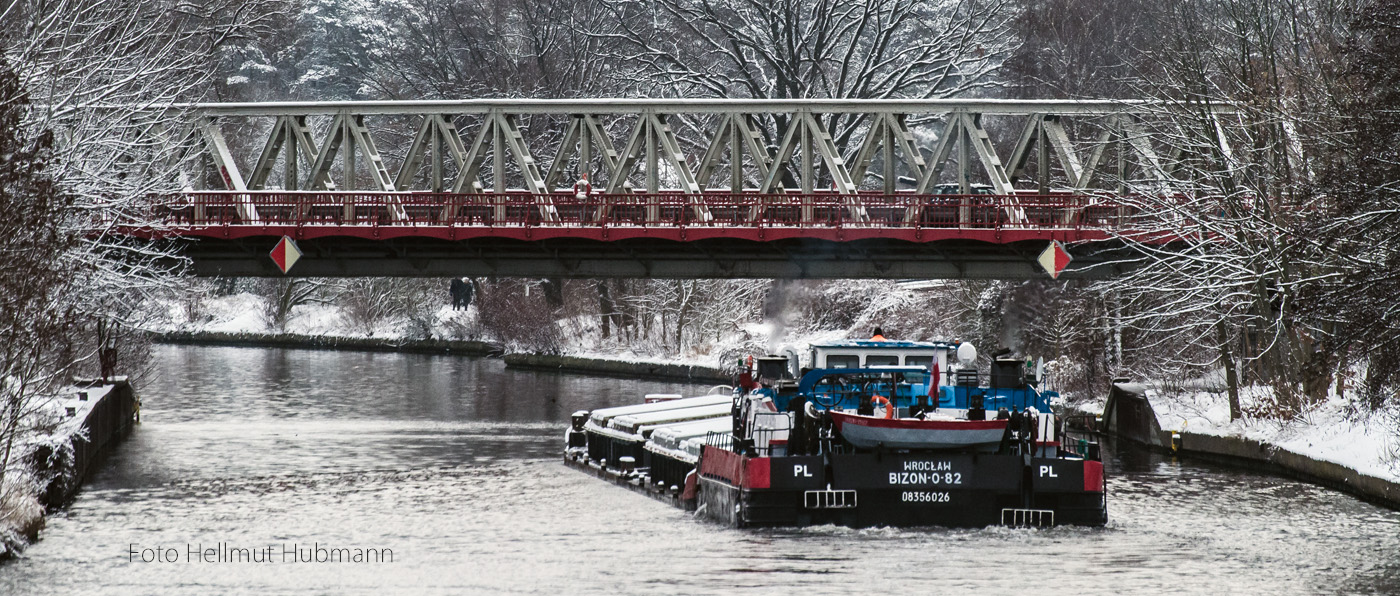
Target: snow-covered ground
244	313
1335	430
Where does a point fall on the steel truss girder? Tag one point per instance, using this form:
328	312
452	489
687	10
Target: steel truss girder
436	139
1015	107
653	140
890	133
807	152
584	134
737	133
217	149
291	138
349	138
804	131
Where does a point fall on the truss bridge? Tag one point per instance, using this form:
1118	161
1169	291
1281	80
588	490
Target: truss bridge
661	188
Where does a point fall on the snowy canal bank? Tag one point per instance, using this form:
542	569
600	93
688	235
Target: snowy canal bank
84	423
598	365
1330	445
254	339
454	465
617	368
240	320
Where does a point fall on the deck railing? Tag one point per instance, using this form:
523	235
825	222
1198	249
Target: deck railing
668	210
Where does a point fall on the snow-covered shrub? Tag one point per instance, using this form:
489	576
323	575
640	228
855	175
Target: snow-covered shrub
859	306
522	322
1391	424
21	514
52	463
731	359
367	303
283	295
194	302
422	300
463	325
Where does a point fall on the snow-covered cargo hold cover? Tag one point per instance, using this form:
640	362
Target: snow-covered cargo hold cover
649	430
670	437
601	416
633	423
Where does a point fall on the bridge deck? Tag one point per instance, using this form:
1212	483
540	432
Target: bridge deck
825	235
677	217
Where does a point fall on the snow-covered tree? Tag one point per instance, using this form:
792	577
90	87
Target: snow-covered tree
37	317
104	75
785	49
1245	86
812	48
86	138
1364	181
283	294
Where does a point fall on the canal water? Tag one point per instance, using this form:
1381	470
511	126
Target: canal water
454	465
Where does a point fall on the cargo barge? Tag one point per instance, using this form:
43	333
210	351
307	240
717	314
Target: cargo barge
873	433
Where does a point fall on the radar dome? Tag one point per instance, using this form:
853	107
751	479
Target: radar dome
967	354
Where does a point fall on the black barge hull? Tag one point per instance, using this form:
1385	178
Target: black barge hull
900	489
875	489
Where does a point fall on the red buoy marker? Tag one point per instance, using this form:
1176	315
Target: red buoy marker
285	254
1054	259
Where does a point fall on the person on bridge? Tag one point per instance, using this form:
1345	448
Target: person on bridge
583	188
878	335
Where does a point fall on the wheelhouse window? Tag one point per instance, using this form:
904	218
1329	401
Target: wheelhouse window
833	361
924	361
873	360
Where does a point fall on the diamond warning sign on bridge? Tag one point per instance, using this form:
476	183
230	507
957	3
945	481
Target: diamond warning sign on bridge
286	253
1055	258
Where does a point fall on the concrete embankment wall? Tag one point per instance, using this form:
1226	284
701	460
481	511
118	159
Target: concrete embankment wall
1238	450
599	366
109	418
97	415
1121	419
540	362
319	342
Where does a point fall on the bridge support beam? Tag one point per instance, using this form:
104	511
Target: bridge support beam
572	258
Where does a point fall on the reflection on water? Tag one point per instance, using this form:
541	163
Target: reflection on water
454	465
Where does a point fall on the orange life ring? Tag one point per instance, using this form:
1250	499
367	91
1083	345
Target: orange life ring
889	407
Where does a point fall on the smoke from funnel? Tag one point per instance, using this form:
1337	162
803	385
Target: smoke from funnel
775	313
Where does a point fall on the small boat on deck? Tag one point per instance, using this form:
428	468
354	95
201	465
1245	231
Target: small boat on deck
931	432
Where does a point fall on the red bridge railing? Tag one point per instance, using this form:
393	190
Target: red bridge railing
367	209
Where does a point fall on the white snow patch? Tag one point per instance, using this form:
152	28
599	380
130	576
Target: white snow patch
234	314
1331	431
